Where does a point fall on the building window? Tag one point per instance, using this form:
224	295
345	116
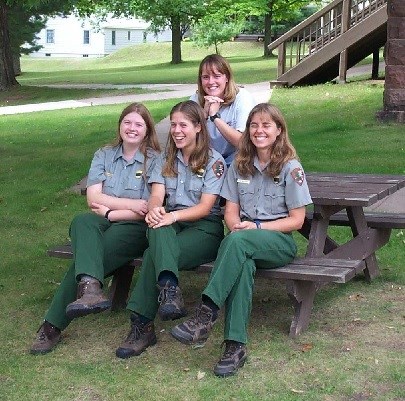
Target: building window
86	37
113	38
50	36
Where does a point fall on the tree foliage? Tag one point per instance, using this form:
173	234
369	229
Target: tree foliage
214	30
20	21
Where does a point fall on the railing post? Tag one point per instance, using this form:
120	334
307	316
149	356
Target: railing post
281	59
346	10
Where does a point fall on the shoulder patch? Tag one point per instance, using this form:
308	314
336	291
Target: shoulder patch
298	175
218	168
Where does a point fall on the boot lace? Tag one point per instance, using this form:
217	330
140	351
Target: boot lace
200	317
134	334
167	294
230	350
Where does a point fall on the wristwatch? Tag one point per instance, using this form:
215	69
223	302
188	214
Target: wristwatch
216	115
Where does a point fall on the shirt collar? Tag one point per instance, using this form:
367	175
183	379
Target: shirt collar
139	156
257	164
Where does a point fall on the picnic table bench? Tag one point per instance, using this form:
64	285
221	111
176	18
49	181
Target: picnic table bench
325	261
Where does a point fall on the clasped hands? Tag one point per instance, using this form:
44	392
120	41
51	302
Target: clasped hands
158	217
212	105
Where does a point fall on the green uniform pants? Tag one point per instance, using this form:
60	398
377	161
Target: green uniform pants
99	248
180	246
231	281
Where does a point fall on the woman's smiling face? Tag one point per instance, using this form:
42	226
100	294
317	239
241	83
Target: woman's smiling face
263	131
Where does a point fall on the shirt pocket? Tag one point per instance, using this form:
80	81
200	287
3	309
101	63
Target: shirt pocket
246	194
195	185
171	187
276	196
135	186
110	180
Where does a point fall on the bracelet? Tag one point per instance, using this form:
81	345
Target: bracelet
174	216
258	224
107	214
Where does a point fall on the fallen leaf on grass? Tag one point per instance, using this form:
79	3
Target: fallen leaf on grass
306	347
356	297
200	375
297	391
43	209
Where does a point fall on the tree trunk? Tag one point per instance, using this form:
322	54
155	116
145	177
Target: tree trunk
7	75
267	32
17	64
176	41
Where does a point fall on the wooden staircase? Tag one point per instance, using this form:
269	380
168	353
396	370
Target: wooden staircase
326	44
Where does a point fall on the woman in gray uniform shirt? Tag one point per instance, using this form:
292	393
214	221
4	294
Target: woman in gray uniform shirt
114	232
184	233
266	193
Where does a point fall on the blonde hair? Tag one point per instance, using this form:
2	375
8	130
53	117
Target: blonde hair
199	158
221	64
281	151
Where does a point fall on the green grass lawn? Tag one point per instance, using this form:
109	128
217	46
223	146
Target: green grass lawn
351	350
140	64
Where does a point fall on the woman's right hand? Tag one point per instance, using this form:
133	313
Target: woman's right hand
155	215
140	207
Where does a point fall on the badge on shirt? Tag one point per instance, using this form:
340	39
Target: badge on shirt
218	168
243	181
200	173
138	174
298	175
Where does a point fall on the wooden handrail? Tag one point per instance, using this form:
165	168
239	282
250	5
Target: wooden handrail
307	22
321	28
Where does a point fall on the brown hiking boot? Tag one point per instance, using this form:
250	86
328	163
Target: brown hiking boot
234	357
90	299
48	336
140	337
171	302
197	328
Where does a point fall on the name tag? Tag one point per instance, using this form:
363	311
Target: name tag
243	181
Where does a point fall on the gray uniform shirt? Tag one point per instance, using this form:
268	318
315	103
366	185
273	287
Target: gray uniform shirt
186	189
235	115
263	198
120	178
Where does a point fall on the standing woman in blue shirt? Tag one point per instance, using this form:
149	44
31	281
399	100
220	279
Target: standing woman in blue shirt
266	193
114	232
226	106
184	233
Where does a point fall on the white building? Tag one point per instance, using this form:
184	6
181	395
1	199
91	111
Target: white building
74	37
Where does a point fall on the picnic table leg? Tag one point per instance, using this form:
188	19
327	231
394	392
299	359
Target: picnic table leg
302	294
305	230
120	285
359	226
318	241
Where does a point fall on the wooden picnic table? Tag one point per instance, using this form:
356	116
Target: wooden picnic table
332	193
325	261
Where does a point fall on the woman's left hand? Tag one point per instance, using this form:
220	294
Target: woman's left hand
244	225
